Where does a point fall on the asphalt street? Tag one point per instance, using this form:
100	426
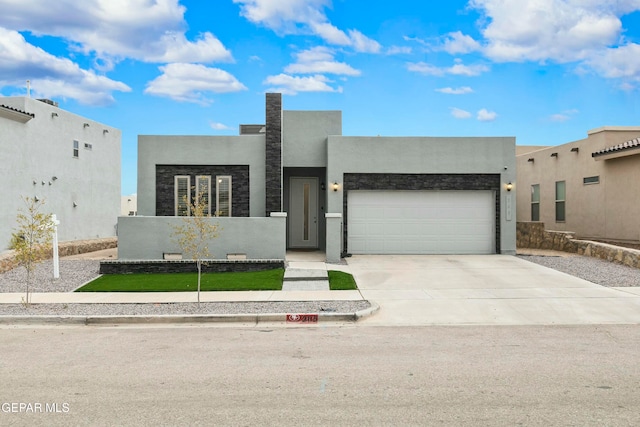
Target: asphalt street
319	375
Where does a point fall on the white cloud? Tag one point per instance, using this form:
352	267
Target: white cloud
219	126
564	116
622	62
486	116
559	30
51	76
398	50
291	85
189	82
304	16
151	31
455	91
320	60
460	114
458	69
457	43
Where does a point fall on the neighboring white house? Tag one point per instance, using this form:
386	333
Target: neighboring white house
69	161
296	183
129	205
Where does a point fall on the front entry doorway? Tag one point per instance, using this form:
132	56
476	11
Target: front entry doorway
303	212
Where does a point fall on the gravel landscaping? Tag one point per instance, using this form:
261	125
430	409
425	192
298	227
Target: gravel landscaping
592	269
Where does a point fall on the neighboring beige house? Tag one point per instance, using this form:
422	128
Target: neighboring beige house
589	186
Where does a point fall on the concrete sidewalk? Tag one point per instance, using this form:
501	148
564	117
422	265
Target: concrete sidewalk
176	297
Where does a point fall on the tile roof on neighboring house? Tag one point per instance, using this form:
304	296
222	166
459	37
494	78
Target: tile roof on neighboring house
628	145
16	110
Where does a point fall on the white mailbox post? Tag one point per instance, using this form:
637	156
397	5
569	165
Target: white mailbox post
56	262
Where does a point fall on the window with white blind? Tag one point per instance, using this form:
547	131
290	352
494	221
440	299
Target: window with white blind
182	185
203	193
223	195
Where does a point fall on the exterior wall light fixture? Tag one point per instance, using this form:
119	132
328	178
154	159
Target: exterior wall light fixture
86	125
509	186
554	154
54	114
531	159
575	149
336	186
105	131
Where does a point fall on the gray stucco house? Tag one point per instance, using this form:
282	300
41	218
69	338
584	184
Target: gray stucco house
69	161
296	182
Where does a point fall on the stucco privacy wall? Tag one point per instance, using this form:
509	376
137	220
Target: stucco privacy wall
41	149
151	237
200	150
425	155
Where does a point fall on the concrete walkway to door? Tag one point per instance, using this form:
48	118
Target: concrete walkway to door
484	290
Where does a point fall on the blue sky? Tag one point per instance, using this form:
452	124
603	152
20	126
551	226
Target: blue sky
544	71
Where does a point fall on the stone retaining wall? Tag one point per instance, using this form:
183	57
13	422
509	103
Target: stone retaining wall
187	266
534	236
73	247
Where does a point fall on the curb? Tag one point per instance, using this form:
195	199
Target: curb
184	318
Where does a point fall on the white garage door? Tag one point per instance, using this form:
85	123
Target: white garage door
421	222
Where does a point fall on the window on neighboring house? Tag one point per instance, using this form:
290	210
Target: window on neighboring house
203	190
591	180
535	202
76	148
560	201
223	196
182	186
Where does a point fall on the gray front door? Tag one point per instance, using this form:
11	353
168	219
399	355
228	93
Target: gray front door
303	212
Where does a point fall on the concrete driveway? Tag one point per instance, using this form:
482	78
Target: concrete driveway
485	290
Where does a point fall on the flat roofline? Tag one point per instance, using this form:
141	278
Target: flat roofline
614	129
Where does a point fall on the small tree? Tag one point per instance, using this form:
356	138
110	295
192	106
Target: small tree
196	231
32	237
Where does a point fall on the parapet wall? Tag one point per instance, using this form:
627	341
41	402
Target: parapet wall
534	236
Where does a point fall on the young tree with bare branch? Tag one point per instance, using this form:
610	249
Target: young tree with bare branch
196	232
32	237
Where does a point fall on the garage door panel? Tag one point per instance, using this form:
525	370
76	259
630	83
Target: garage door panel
421	222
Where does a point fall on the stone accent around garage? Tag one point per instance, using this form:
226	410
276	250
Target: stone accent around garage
187	266
534	236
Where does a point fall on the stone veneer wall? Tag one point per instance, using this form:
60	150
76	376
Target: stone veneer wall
187	266
273	140
165	186
534	236
74	247
382	181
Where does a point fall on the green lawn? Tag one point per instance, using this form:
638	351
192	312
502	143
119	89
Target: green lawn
340	281
269	280
179	282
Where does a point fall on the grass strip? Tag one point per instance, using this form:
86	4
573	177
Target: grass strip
268	280
341	281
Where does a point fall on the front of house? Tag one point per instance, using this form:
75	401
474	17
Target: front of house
297	183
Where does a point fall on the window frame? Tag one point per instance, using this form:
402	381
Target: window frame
561	202
176	195
535	203
76	149
219	179
207	179
591	180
